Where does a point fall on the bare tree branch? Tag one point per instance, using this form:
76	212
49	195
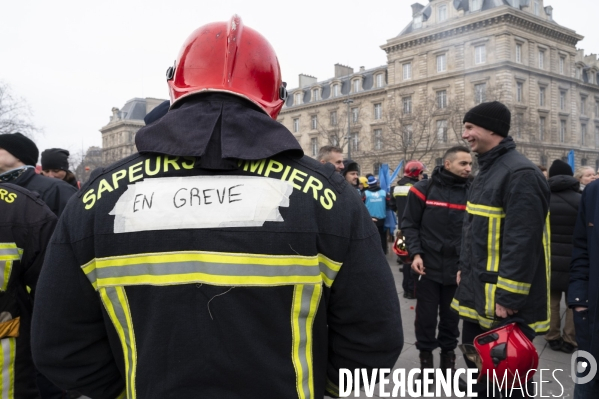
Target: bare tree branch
15	113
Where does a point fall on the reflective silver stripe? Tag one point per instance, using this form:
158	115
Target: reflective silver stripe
117	307
7	382
305	304
484	210
401	191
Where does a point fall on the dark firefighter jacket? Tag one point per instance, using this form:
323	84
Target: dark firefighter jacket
584	273
432	223
400	195
505	255
563	210
54	192
26	225
218	263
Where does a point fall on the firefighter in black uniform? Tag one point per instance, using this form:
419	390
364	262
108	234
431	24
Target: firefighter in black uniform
413	172
219	262
26	225
432	225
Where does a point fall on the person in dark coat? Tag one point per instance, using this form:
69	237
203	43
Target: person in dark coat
18	156
583	295
55	163
563	209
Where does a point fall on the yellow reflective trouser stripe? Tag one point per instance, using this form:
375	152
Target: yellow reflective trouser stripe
117	307
484	210
513	286
332	388
305	304
231	269
8	253
7	380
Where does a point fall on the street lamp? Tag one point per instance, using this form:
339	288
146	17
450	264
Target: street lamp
348	102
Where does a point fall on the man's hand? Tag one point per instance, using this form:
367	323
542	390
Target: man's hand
580	308
458	277
503	312
418	265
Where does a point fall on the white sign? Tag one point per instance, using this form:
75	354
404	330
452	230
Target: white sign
200	202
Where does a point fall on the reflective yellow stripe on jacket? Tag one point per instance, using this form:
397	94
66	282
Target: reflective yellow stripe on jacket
8	254
306	273
8	346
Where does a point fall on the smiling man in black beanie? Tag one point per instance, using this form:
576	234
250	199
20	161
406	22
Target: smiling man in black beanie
503	260
18	156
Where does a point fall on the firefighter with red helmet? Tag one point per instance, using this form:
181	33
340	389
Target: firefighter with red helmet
219	261
413	172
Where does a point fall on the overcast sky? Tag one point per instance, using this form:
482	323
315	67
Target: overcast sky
72	61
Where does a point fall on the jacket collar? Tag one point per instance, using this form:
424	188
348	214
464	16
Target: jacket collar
218	128
488	158
442	175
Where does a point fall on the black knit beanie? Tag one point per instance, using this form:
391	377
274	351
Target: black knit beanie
350	166
559	167
55	158
20	147
493	116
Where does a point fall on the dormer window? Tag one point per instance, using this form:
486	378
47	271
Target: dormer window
475	5
335	90
417	22
379	80
355	84
442	13
537	8
315	94
297	98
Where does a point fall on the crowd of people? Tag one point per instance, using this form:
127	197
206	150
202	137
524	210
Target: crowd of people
274	276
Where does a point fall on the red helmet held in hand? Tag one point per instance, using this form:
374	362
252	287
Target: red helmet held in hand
504	351
413	169
399	247
229	57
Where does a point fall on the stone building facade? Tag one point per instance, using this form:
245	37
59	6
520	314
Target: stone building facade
118	136
453	55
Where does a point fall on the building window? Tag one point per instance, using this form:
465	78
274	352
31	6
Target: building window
442	131
355	113
336	90
355	142
314	122
584	162
480	54
562	64
417	22
475	5
295	125
407	70
541	59
542	128
583	105
518	53
578	72
407	105
480	93
583	134
562	100
376	168
378	139
408	133
355	85
442	99
596	107
379	80
562	131
441	62
333	116
519	118
438	161
519	90
597	137
315	94
297	98
314	146
537	8
378	111
334	140
442	13
541	96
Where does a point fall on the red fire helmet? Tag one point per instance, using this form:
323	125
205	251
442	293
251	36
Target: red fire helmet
413	168
232	58
504	351
399	247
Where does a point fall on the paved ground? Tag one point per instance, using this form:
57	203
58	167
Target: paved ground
550	360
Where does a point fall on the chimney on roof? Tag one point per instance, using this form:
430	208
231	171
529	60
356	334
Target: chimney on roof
362	69
306	80
549	12
343	70
416	8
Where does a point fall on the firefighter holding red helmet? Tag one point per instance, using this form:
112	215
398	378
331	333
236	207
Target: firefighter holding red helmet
219	261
